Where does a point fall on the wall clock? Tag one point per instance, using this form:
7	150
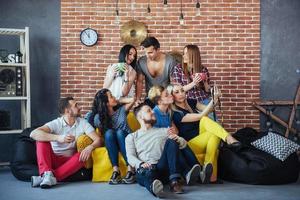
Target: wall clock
89	37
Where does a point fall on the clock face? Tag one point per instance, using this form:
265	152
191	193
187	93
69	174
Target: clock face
89	37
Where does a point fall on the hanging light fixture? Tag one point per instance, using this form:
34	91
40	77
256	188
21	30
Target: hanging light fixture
165	4
149	11
181	18
117	17
198	8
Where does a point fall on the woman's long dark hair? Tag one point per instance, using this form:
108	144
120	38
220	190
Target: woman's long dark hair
100	107
124	51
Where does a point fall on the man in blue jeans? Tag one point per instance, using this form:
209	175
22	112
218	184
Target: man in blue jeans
156	155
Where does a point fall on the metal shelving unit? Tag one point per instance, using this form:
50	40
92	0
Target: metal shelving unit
25	65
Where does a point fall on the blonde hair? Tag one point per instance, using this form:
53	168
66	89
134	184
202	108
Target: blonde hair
173	106
154	93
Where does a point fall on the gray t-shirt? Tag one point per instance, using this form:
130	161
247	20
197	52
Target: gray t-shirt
163	79
147	145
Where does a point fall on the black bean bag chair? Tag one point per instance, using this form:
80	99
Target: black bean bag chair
252	166
23	163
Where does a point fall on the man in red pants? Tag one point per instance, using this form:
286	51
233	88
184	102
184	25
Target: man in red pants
56	145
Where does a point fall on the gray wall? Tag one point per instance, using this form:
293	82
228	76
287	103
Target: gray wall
280	53
43	19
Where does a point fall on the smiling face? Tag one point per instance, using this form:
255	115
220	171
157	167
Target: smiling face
178	94
130	57
111	100
151	53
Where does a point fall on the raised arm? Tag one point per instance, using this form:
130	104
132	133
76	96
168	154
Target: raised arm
139	85
192	117
196	80
130	76
130	103
177	77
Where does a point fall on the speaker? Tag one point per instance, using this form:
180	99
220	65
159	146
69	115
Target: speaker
11	81
4	120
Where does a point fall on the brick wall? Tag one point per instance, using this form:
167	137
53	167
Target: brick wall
227	33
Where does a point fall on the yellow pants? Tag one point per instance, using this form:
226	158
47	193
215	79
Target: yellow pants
207	142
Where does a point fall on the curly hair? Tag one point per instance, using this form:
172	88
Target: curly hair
100	107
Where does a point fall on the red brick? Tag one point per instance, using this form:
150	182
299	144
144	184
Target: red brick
227	33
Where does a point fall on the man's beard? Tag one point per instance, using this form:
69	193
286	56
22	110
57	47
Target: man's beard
75	115
150	121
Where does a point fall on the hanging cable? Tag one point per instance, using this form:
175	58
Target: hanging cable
181	18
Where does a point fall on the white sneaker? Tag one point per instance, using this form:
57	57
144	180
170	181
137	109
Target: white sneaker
193	175
36	181
48	181
157	188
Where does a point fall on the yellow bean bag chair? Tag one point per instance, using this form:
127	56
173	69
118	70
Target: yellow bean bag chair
102	168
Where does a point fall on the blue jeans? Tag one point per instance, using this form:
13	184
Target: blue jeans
169	167
189	159
115	142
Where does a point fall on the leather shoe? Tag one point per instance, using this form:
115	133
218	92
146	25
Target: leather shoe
176	187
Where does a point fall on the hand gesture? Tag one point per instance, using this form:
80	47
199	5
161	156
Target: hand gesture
137	102
86	153
173	137
216	93
197	79
146	165
172	130
126	71
115	71
66	138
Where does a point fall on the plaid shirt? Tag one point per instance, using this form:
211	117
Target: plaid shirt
179	77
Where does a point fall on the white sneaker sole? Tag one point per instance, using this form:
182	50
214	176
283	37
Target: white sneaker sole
36	181
206	173
193	174
157	188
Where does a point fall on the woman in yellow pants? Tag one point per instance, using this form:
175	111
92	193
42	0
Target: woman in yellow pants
202	133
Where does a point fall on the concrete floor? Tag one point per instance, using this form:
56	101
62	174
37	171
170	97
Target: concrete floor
13	189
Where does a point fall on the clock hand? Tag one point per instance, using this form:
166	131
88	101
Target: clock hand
87	33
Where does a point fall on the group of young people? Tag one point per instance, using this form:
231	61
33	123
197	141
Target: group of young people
173	123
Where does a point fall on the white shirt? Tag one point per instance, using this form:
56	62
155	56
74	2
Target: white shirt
118	81
60	127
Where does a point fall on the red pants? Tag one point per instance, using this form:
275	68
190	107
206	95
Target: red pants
61	166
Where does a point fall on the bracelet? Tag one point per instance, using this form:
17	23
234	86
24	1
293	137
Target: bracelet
126	81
